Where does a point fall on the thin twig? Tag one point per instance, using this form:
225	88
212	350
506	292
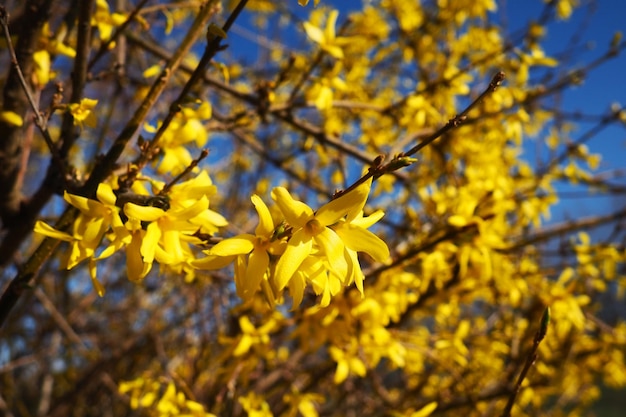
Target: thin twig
457	120
107	163
530	360
404	159
39	120
203	154
69	132
214	45
118	31
24	279
565	227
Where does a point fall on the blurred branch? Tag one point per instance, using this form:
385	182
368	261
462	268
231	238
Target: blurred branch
566	227
16	99
104	48
530	360
403	159
57	177
26	275
214	45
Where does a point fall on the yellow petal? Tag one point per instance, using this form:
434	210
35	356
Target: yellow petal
314	33
351	202
296	289
238	245
106	195
329	32
243	346
457	220
362	240
266	224
193	210
298	248
150	241
296	212
332	246
136	268
94	280
144	213
257	266
80	202
47	230
365	222
11	118
342	371
426	410
212	262
334	50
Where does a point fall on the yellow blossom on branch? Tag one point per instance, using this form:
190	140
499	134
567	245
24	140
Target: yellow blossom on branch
258	247
314	233
82	112
326	37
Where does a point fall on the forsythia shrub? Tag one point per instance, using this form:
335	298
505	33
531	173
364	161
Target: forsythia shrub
351	226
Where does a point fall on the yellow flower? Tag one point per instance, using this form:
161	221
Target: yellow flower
94	220
82	112
305	2
312	233
354	234
168	232
257	247
326	38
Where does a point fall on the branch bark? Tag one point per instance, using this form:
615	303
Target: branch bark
36	13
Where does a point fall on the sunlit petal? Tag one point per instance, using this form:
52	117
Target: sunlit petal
298	248
296	289
266	224
366	222
135	266
362	240
351	202
257	266
296	212
145	213
333	249
150	242
212	262
47	230
80	202
94	280
194	209
329	31
238	245
314	33
105	194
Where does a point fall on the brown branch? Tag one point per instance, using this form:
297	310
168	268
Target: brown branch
107	163
24	279
378	169
69	132
57	177
16	98
214	45
530	360
566	227
118	31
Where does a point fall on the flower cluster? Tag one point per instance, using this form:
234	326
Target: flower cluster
309	247
160	228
